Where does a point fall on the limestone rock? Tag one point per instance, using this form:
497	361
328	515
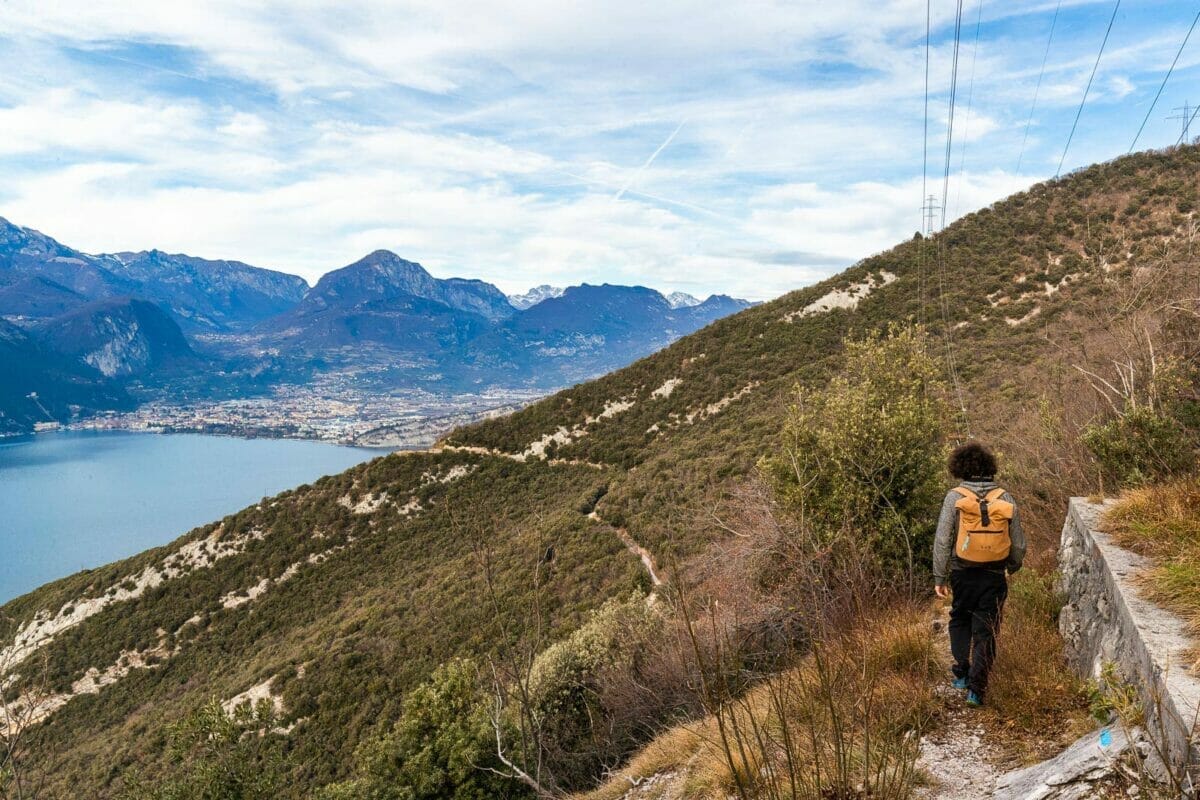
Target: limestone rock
1068	776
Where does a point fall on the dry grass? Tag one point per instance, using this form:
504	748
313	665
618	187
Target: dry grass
1163	523
1036	704
871	689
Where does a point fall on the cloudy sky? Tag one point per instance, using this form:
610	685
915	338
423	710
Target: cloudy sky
749	147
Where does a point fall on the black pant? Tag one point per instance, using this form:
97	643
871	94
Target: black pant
974	621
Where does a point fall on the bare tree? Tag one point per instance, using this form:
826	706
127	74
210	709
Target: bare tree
21	709
521	743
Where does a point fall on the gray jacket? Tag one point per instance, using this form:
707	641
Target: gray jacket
947	531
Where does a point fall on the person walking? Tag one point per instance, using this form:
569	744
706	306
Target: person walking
979	542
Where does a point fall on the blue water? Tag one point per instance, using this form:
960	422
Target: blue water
76	499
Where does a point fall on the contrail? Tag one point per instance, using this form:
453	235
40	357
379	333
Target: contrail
649	161
647	195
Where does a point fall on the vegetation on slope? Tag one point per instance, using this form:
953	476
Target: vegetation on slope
1163	522
345	596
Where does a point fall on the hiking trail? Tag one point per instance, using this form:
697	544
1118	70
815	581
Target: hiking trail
633	547
953	754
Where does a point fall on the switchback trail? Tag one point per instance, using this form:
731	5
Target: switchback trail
633	547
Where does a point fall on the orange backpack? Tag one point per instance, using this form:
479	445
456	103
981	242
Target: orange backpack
983	536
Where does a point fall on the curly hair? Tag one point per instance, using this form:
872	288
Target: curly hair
972	461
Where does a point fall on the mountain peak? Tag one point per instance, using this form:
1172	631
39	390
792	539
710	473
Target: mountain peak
535	295
682	300
381	278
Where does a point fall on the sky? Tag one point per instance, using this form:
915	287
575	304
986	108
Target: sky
748	148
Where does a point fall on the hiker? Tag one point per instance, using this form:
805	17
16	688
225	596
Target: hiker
979	541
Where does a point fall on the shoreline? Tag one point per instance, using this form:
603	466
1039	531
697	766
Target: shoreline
376	423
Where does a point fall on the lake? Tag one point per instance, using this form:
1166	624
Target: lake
71	500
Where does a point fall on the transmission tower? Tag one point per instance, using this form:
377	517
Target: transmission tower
929	212
1185	115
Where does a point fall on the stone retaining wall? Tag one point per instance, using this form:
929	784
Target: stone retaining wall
1106	620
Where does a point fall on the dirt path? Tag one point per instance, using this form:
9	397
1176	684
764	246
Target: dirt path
954	754
633	547
643	554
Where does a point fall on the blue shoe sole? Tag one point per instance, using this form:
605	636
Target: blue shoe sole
973	700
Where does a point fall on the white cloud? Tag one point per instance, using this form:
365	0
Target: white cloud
490	138
244	126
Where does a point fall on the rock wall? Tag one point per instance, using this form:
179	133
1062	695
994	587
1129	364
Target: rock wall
1106	620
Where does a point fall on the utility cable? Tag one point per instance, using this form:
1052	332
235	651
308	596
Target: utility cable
1088	88
1038	89
1166	77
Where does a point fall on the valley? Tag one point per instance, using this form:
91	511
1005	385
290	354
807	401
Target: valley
326	410
377	352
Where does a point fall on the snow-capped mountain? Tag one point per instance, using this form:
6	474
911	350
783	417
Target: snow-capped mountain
534	296
682	300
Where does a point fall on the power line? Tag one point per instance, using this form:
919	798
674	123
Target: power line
1088	89
950	119
1038	89
1163	85
926	228
948	331
925	153
962	151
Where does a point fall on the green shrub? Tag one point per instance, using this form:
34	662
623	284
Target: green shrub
443	746
1141	446
581	731
863	455
1154	430
216	755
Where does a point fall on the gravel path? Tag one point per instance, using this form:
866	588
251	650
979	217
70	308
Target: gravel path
954	754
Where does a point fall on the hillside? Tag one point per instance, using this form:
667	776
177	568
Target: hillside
39	385
120	337
336	599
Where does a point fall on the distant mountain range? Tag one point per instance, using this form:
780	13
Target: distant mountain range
96	325
545	292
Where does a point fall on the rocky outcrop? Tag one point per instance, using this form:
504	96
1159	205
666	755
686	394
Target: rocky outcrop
1072	774
1107	621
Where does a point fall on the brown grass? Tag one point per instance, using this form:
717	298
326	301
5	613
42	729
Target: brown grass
1163	523
1035	704
877	678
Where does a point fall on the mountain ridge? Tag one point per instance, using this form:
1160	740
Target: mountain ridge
119	336
382	317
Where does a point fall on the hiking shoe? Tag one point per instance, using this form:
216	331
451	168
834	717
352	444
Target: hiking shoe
974	700
959	683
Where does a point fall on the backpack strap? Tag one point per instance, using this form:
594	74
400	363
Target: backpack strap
995	494
965	492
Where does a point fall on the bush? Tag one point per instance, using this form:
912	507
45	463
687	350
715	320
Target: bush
1141	446
573	683
1153	431
217	755
862	456
441	747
